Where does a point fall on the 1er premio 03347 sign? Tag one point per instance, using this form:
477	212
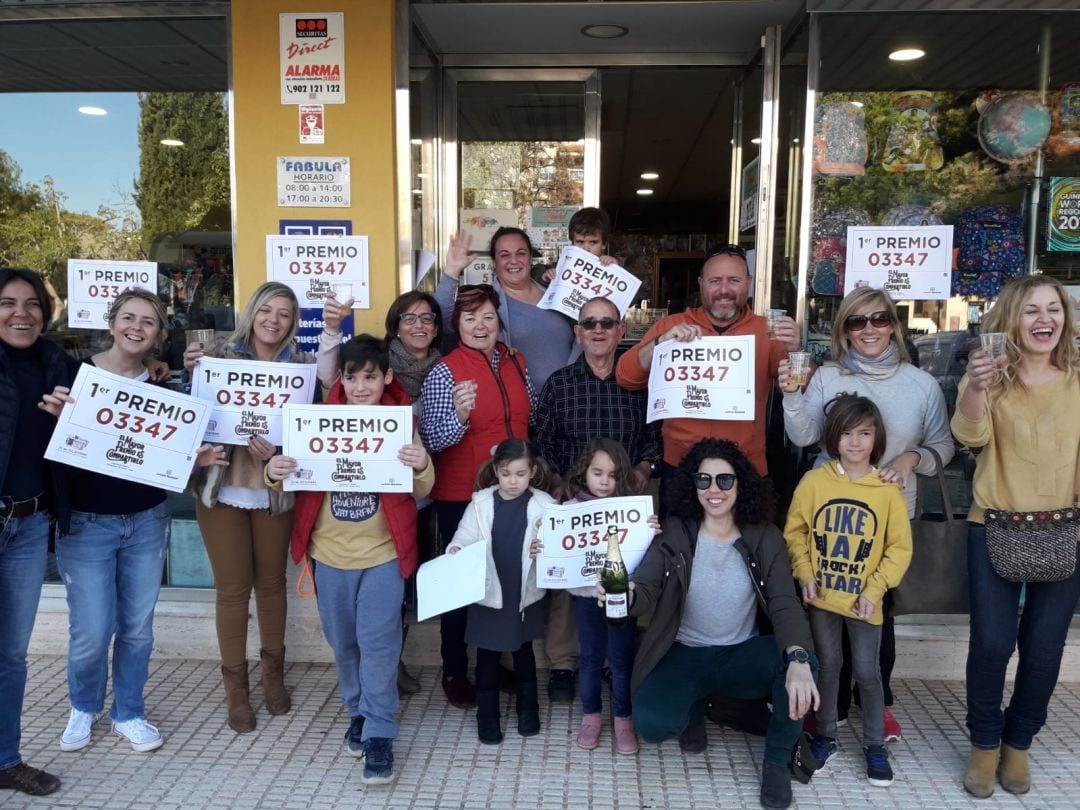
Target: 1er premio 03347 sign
312	266
910	263
707	378
579	277
94	283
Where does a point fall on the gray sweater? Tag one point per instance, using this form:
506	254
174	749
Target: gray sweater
911	404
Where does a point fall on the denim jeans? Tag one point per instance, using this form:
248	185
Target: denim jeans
111	566
828	628
995	632
24	545
361	618
670	698
598	639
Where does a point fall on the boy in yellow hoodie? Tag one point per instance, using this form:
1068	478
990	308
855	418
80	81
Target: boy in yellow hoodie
850	541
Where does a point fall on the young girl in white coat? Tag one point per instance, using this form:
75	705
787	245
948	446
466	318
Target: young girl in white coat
504	513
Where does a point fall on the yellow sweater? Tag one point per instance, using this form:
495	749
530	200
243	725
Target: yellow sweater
1030	440
851	537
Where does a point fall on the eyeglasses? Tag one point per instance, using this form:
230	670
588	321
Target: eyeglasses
856	323
604	323
409	318
725	250
724	481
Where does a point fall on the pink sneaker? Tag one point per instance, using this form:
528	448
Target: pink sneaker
892	727
625	739
589	736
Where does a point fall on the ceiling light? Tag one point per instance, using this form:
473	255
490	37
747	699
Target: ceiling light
907	54
87	110
416	142
605	31
418	192
171	142
856	104
650	176
755	140
644	192
794	140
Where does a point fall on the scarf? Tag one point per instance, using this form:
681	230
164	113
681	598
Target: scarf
408	370
882	367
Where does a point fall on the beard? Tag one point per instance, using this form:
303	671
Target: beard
724	311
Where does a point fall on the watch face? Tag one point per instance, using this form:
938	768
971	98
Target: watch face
798	656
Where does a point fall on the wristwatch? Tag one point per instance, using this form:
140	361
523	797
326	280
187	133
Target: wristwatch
798	656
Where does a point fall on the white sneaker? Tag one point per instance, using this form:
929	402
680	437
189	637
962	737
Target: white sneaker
142	736
77	733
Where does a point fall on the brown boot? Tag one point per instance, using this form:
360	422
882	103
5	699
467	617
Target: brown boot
1015	775
981	767
273	682
237	696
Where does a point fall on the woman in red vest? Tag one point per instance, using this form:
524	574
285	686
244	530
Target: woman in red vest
476	396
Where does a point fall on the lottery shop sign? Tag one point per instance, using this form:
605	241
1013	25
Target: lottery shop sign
312	57
910	263
248	396
94	283
579	277
129	430
347	448
574	538
707	378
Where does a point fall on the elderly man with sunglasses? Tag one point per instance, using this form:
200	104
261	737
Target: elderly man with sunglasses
725	285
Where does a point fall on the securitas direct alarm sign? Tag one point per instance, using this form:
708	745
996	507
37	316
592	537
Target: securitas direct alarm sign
312	58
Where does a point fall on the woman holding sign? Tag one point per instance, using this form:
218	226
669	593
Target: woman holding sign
246	524
869	360
112	553
476	396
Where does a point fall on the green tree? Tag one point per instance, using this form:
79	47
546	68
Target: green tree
182	188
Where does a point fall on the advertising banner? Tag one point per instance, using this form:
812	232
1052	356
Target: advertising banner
312	57
708	378
313	266
910	263
579	276
94	283
1063	223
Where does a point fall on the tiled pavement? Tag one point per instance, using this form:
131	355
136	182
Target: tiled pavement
295	761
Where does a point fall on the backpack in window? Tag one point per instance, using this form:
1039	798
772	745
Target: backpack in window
839	139
912	144
910	215
828	248
989	242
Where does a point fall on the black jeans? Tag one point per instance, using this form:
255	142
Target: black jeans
487	667
886	662
455	656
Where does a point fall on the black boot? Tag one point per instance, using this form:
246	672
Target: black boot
528	709
487	716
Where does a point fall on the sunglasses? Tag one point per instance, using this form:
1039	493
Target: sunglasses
604	323
725	250
409	318
856	323
724	481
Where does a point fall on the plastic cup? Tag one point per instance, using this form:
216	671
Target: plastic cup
772	316
204	337
800	367
993	343
342	292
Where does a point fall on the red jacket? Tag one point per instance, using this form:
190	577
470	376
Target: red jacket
501	412
399	508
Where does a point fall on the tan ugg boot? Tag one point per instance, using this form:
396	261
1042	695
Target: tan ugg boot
981	768
1014	774
275	695
237	696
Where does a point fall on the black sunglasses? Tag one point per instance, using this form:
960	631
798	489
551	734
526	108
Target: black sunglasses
725	250
856	323
724	481
604	323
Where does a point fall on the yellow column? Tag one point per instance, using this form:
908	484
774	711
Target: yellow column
362	129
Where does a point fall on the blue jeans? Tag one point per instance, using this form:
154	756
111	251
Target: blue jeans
24	545
598	639
361	618
995	631
111	566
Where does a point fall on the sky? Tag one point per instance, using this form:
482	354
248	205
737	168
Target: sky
91	158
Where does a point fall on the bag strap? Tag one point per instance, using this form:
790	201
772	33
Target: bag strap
946	501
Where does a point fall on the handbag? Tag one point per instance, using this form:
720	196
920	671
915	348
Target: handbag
1032	546
936	580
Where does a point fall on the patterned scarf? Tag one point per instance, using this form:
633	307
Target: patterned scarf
408	370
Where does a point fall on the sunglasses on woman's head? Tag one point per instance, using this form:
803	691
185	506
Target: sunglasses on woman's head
724	481
604	323
879	320
409	318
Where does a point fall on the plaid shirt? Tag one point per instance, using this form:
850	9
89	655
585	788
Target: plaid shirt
576	406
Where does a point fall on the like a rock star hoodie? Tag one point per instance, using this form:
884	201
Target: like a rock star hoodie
852	537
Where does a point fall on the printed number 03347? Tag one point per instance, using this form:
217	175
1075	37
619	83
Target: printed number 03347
589	538
695	373
345	445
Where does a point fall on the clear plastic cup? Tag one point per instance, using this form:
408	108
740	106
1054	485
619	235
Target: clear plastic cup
204	337
993	343
342	292
800	367
771	317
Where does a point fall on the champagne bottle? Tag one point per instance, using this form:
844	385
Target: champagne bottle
616	582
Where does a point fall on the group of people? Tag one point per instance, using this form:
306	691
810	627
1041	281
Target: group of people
530	409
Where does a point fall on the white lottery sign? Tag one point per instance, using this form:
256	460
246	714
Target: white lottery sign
312	266
574	542
130	430
94	283
247	396
348	448
910	263
579	276
707	378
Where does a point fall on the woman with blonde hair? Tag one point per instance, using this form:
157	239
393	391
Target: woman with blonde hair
1021	409
869	360
246	524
